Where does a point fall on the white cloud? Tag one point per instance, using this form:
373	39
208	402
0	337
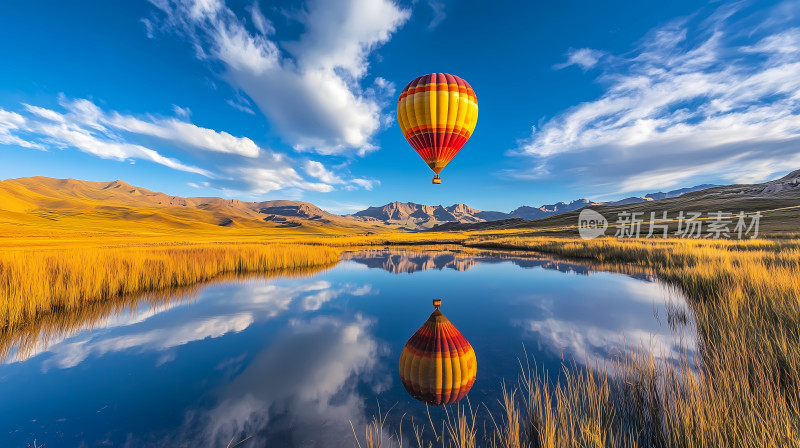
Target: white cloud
262	24
318	170
265	180
47	114
437	8
340	35
183	112
586	58
69	135
341	208
309	89
12	121
90	129
177	131
82	112
366	184
87	127
240	105
677	110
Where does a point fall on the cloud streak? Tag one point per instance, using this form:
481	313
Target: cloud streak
239	164
585	58
81	128
439	13
236	310
10	123
691	101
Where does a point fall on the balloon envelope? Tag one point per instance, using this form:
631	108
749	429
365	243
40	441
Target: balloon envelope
437	114
438	365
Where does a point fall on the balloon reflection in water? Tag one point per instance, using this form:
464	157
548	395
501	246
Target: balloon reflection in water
438	365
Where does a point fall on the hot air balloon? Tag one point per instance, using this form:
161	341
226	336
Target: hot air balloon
437	114
437	365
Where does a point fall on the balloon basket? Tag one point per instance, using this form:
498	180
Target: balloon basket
436	180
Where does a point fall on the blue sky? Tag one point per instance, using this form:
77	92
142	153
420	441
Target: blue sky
290	99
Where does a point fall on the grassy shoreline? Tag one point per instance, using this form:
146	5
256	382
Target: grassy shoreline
35	282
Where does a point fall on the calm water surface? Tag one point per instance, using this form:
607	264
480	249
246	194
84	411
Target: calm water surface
293	361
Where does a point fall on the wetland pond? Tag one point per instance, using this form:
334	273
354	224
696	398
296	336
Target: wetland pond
294	360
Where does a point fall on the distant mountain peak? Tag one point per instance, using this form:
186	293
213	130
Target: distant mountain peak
793	175
789	182
415	215
461	208
420	215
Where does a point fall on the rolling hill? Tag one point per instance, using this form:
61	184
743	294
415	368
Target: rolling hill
116	206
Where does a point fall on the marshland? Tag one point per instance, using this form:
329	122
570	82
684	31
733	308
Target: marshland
579	343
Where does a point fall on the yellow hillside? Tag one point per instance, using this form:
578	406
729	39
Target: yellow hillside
41	210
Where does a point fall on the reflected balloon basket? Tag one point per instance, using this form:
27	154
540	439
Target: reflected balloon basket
438	365
437	398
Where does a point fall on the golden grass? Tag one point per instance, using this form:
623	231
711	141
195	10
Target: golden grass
34	282
636	402
723	270
742	389
28	338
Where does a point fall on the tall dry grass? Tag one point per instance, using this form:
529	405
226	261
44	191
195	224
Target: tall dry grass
742	388
37	282
745	295
636	402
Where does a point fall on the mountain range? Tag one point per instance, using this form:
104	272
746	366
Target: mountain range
412	215
99	205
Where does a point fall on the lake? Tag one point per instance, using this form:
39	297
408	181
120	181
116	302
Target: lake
293	360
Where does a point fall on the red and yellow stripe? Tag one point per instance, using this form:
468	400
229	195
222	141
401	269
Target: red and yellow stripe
438	365
437	114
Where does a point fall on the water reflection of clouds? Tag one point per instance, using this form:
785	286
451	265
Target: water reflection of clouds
231	310
302	390
585	343
122	319
599	330
73	353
